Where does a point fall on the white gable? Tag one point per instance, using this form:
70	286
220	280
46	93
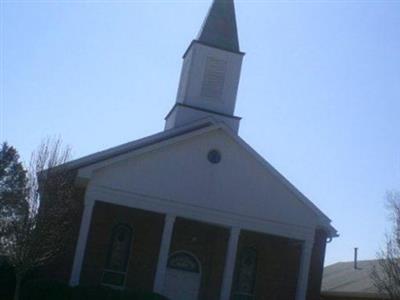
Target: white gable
180	172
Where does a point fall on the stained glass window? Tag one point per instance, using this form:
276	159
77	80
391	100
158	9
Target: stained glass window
118	255
247	268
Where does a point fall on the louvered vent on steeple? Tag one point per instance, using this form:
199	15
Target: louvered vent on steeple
214	78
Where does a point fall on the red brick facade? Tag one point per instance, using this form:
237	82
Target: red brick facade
277	258
147	230
317	265
277	265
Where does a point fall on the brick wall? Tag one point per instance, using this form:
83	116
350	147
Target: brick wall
147	230
277	258
277	265
317	265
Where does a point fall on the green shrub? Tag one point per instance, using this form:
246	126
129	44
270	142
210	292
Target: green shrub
106	293
43	289
140	295
94	293
7	279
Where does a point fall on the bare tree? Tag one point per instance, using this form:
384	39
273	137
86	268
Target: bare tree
386	276
37	237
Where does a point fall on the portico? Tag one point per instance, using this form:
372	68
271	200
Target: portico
175	226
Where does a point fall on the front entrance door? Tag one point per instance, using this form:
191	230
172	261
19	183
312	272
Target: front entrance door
183	277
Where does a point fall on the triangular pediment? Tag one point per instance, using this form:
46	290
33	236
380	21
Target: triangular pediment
178	170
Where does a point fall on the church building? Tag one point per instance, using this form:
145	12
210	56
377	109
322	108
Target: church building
193	212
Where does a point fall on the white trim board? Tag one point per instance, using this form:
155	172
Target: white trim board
202	214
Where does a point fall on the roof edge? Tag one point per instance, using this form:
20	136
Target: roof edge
136	144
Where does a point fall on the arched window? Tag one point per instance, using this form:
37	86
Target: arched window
183	261
246	276
118	255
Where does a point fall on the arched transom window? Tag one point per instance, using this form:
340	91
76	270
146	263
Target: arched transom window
184	261
118	255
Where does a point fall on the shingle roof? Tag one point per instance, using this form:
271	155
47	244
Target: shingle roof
137	144
219	28
342	278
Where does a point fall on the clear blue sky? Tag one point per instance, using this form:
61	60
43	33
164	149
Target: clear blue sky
319	92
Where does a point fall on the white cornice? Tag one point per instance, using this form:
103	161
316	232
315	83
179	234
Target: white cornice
198	213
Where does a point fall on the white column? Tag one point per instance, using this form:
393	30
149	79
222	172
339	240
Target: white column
164	253
230	261
81	245
302	281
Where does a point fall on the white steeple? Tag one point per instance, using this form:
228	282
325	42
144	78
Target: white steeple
210	72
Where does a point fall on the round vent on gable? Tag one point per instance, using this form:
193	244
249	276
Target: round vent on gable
214	156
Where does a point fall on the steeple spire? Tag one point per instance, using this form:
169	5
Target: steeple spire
219	28
210	72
